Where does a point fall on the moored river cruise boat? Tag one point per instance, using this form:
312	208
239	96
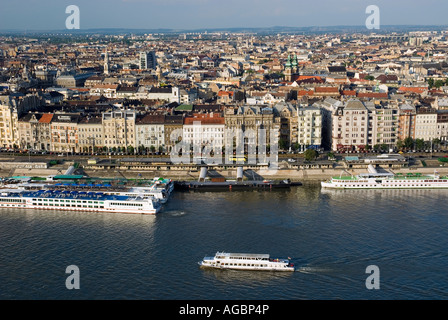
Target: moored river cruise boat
246	261
387	180
77	201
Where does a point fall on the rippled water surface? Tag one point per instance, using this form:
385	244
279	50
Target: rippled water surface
331	237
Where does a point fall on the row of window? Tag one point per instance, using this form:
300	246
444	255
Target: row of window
13	200
66	205
126	204
244	265
72	201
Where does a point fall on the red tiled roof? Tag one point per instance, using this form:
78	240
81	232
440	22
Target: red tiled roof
305	93
205	118
326	89
413	89
46	118
225	93
373	95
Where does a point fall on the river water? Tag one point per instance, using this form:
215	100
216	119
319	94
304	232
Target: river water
331	237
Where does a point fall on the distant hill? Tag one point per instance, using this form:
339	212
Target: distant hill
260	30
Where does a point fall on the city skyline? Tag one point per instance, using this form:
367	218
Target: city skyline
199	14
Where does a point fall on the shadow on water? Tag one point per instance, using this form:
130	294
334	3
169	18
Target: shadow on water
246	277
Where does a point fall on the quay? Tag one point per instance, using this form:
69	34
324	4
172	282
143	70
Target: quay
298	171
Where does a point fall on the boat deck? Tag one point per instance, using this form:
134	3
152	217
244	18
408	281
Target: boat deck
72	195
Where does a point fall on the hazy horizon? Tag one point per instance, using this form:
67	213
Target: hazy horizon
48	15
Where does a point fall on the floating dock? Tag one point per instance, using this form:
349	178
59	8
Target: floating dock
233	185
220	184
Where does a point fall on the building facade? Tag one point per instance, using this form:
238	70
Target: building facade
119	129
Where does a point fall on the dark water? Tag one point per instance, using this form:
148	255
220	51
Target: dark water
331	237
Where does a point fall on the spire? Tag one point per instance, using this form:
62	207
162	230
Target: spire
294	61
106	62
288	62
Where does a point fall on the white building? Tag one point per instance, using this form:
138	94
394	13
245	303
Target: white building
426	124
170	94
309	126
204	129
383	124
150	132
350	126
147	60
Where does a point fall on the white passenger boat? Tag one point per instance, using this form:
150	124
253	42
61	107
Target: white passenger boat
77	201
387	180
246	261
160	195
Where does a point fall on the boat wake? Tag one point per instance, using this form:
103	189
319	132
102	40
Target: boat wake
176	213
313	270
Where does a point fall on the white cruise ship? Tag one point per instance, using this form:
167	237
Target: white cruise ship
387	180
246	261
77	201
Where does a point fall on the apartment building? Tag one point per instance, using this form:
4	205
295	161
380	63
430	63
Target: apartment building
119	129
150	132
309	126
90	133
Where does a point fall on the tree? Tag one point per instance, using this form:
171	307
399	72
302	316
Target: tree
431	82
295	146
436	143
282	144
311	154
408	142
439	83
400	144
419	144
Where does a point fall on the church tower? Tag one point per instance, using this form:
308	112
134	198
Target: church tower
295	65
106	62
288	69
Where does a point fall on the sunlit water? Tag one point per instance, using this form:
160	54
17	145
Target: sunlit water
331	237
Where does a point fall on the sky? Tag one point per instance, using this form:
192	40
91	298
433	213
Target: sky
198	14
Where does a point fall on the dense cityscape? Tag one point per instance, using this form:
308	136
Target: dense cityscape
112	141
127	93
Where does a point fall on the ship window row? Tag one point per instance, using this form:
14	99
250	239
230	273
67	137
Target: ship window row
69	201
13	200
126	204
67	205
245	265
244	258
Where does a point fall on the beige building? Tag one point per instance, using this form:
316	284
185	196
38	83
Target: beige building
250	119
64	132
119	129
12	107
286	118
350	126
90	133
28	128
173	126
